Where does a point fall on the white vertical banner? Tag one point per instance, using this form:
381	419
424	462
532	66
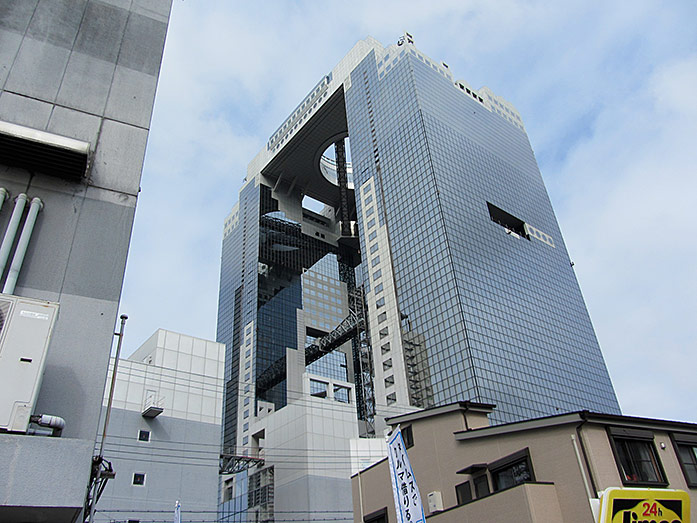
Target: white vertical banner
177	512
407	499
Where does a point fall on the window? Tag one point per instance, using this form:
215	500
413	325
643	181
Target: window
463	491
342	394
389	381
377	274
385	348
686	449
384	332
636	457
143	435
378	288
481	486
382	317
408	437
387	364
373	248
379	516
375	261
380	302
139	478
391	398
372	235
512	470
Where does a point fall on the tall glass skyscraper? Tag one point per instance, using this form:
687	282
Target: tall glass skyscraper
435	270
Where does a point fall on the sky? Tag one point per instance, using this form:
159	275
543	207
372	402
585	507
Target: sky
607	94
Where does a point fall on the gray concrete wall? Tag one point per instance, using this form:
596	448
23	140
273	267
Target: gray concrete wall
84	69
180	463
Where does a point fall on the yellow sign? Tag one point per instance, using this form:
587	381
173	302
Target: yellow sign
634	505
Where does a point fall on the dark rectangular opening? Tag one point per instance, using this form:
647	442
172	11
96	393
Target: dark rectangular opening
463	491
507	220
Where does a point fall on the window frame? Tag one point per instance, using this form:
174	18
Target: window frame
133	479
685	440
146	433
616	434
408	436
459	488
505	463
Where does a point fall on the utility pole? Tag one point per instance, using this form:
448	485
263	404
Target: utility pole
99	458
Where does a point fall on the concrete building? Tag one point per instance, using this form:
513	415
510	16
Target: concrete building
427	269
163	439
301	457
543	470
77	84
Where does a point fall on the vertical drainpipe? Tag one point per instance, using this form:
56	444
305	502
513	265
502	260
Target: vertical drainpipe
34	208
3	196
11	231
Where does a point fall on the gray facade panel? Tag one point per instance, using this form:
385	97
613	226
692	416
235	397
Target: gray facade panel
119	157
75	124
101	31
48	459
131	97
97	258
76	363
57	21
24	111
35	55
87	96
9	45
142	44
16	14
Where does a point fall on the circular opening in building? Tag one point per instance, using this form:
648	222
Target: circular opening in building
327	164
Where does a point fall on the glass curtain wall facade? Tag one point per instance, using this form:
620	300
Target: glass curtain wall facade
448	242
478	263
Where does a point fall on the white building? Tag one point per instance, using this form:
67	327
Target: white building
163	437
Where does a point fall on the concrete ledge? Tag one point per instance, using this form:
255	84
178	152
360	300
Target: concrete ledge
44	478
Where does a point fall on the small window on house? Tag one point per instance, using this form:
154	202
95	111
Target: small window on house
382	317
389	381
373	248
375	261
408	437
385	348
378	288
143	435
463	491
372	235
391	398
377	274
387	364
384	332
636	457
481	486
139	478
686	449
512	470
380	302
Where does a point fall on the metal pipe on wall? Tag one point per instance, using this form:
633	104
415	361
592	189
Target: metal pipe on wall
34	208
11	231
4	195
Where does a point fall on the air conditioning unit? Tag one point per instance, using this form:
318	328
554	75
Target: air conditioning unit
25	330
